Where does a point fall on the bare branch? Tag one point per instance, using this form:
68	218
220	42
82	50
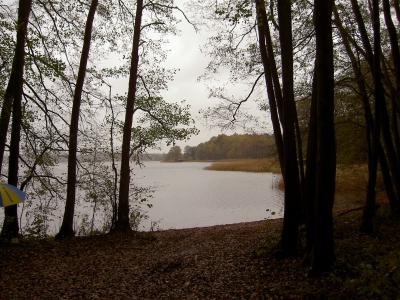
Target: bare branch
247	98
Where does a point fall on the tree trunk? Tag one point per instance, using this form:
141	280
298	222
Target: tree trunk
67	229
394	43
122	222
310	177
369	120
388	143
300	159
269	83
323	255
363	33
292	211
369	210
271	60
387	181
14	86
395	126
390	132
13	98
390	193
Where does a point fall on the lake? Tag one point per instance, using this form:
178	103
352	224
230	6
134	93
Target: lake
189	196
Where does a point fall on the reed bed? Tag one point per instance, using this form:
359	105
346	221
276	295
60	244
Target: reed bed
351	180
248	165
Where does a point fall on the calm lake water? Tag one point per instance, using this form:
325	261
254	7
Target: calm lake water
189	196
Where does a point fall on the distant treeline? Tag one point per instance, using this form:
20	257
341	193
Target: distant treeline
236	146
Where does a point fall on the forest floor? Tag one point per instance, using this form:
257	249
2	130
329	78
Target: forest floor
237	261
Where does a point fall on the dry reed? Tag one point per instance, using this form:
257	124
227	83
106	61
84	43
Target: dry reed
248	165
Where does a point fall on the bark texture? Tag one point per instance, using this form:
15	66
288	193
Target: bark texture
323	255
369	210
292	212
67	229
122	223
13	98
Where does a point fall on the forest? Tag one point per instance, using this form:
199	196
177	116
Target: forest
236	146
326	72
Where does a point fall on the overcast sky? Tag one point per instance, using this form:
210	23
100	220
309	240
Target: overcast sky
185	55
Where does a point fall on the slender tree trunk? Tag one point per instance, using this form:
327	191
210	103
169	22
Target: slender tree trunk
391	195
67	229
271	60
269	83
300	159
363	33
310	176
369	210
122	223
388	144
292	210
278	90
393	200
14	86
358	78
13	98
387	181
323	255
381	117
395	126
391	132
394	43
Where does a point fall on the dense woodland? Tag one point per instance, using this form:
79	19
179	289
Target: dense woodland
236	146
327	72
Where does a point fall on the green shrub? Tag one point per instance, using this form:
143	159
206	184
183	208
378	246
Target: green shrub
379	276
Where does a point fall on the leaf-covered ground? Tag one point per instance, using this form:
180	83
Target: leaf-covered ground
219	262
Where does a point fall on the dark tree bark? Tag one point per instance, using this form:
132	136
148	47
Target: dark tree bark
67	229
323	255
278	90
381	123
13	98
363	33
395	126
394	201
310	177
122	223
387	181
292	212
269	81
300	160
14	86
271	60
394	43
387	139
369	210
368	117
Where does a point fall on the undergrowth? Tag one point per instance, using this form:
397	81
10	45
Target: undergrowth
367	267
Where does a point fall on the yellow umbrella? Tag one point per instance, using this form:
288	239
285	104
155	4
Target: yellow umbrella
10	195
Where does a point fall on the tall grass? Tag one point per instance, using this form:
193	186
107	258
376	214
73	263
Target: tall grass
248	165
351	187
351	180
